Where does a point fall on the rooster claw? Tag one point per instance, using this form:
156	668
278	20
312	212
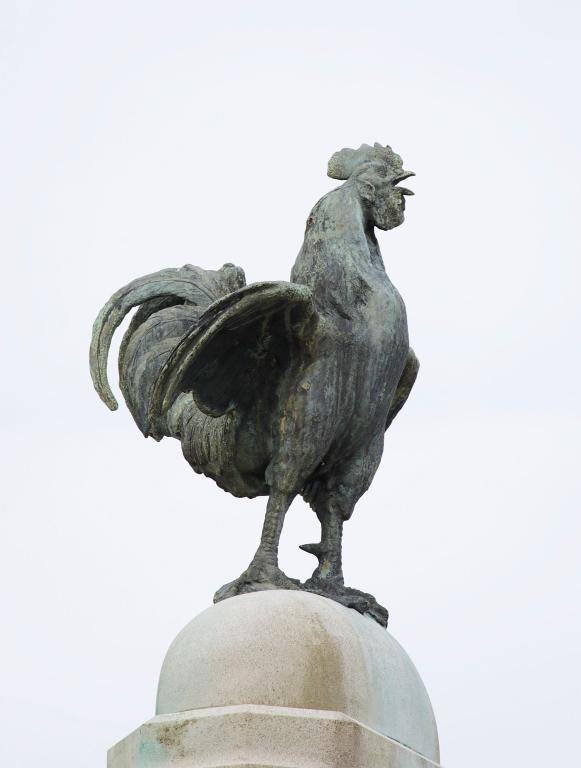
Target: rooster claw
256	578
362	602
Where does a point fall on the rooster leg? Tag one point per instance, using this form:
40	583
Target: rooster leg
327	579
328	550
263	572
276	509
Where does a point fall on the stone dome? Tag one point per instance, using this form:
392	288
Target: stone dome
298	650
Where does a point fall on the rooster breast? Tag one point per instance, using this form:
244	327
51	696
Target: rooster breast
370	351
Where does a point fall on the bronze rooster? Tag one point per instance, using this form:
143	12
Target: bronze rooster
279	388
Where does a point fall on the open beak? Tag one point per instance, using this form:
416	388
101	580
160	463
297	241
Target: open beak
402	177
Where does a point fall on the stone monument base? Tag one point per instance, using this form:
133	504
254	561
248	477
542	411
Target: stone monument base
256	736
285	679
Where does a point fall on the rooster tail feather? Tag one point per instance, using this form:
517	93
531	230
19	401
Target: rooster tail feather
159	323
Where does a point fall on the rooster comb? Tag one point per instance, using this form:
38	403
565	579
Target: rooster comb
343	163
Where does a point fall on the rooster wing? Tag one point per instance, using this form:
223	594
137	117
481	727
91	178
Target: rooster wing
240	348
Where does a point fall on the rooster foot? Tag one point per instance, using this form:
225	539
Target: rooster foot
334	589
257	578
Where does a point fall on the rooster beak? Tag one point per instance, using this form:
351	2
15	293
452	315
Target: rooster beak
401	177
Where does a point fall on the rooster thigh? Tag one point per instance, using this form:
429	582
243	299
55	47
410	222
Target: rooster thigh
304	427
338	485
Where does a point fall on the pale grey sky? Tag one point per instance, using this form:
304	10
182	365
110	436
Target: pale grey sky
141	135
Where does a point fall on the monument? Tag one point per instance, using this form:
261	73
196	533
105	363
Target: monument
281	389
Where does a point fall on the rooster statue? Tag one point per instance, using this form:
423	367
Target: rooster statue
279	388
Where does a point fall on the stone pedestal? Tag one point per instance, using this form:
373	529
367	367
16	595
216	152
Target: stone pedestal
285	679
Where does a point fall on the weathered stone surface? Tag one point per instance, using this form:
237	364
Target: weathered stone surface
260	737
282	678
281	388
294	649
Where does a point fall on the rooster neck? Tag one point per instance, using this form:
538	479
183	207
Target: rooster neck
375	256
340	255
